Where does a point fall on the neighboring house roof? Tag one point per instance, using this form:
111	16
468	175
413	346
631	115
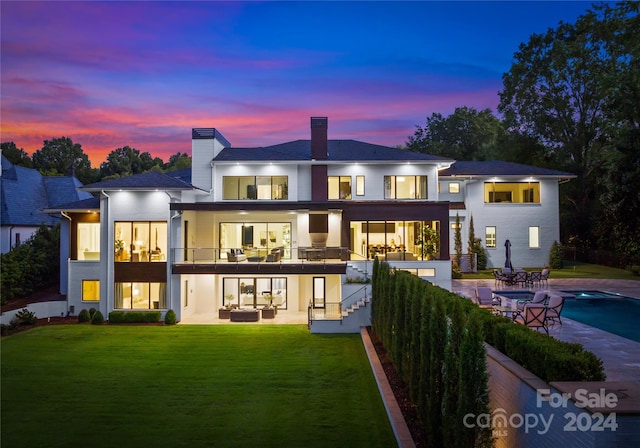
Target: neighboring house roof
85	205
338	151
26	193
151	180
499	168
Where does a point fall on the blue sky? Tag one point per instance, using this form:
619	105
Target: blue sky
110	74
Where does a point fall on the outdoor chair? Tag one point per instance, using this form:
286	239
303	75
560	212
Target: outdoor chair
535	277
539	298
554	308
484	297
533	316
544	277
236	255
498	277
521	277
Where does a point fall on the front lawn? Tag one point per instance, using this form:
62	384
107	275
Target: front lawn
189	385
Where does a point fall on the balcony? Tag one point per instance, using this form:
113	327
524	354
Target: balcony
298	260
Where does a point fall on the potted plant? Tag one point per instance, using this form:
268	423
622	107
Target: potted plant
119	248
429	242
269	299
228	300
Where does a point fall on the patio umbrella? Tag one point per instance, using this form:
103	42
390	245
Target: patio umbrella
507	263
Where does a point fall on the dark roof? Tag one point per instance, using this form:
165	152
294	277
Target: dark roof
339	150
93	203
499	168
151	180
26	192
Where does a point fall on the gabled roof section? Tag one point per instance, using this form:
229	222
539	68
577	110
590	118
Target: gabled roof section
339	151
500	168
25	193
149	181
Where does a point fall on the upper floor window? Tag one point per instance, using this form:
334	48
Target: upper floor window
405	187
359	185
512	192
140	241
255	187
89	241
454	187
339	187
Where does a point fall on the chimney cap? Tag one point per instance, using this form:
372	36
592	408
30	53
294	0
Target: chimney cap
319	122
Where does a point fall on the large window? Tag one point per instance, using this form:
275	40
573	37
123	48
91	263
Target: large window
405	187
255	187
395	240
252	292
339	187
90	290
490	237
256	238
140	241
89	241
512	192
359	185
140	296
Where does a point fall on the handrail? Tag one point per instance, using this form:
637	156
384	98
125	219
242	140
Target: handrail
296	254
348	301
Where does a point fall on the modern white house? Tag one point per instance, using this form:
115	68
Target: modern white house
295	225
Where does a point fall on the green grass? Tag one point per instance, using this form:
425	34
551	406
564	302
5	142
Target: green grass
571	269
192	386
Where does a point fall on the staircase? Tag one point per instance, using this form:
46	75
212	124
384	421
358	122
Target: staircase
355	309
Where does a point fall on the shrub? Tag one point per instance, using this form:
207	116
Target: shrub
556	255
92	311
134	317
26	317
84	316
170	318
634	269
97	319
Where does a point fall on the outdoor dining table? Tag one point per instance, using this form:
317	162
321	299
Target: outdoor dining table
506	311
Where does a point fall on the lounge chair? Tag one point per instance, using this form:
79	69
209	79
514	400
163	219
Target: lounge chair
554	308
484	297
499	278
533	316
539	298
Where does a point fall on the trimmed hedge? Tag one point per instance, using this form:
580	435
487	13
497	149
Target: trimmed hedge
97	318
170	318
134	317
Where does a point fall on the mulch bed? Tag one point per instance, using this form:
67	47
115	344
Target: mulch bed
401	393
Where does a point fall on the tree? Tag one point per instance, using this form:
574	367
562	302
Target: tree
62	157
467	134
471	243
457	243
178	161
127	161
16	155
571	89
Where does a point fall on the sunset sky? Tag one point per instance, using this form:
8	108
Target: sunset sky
142	74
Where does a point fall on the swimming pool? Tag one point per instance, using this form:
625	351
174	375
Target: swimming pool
607	311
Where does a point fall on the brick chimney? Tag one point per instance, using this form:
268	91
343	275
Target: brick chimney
319	147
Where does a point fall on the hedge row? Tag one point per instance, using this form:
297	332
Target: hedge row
438	350
134	317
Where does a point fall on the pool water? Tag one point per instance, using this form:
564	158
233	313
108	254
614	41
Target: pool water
606	311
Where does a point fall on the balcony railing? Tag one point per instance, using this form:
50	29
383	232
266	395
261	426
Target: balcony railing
297	255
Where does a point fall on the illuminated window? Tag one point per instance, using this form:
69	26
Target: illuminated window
140	241
405	187
359	185
90	290
339	187
88	239
512	192
490	237
534	237
140	296
454	187
255	187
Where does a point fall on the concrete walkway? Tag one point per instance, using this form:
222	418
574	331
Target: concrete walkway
620	356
